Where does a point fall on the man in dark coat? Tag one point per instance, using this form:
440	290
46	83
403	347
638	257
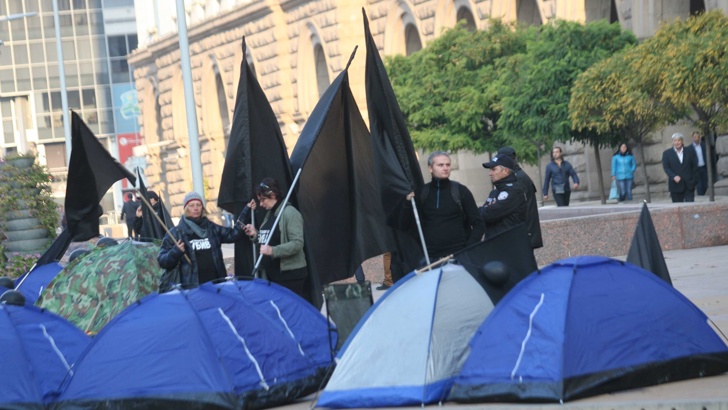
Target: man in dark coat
702	155
681	166
529	188
505	207
128	213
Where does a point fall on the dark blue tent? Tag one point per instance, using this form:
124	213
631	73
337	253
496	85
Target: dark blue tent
190	349
31	284
306	326
39	349
585	326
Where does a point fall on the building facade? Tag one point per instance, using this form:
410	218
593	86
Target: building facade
296	47
96	36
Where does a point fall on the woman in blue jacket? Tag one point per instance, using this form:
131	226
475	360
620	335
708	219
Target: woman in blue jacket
623	167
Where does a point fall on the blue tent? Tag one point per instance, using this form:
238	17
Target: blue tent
31	284
585	326
306	326
201	347
410	345
39	349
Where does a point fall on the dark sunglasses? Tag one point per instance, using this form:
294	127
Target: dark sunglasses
264	186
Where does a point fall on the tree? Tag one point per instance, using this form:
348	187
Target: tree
608	99
535	88
688	60
446	89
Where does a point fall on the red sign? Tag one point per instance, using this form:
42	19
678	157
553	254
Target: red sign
126	144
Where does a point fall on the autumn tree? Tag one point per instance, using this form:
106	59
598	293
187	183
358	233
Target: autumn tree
609	100
688	61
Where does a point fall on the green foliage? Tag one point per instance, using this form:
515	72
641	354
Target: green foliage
446	90
28	188
535	88
17	265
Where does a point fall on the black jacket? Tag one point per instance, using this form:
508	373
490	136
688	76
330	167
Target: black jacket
128	212
687	170
505	206
446	225
178	271
532	219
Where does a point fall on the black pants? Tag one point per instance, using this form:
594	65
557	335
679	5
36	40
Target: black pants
562	199
130	229
702	180
684	196
294	285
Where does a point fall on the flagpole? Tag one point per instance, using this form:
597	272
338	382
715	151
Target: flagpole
252	222
275	223
151	210
419	228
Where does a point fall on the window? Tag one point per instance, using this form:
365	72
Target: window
89	98
119	71
22	77
56	155
322	71
20	53
40	81
117	46
412	40
37	54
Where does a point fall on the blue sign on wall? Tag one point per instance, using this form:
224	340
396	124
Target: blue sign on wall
126	108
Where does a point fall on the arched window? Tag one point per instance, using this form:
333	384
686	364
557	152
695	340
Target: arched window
613	15
412	40
464	13
322	70
222	105
527	12
697	7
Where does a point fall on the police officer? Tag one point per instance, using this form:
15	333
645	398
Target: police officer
506	205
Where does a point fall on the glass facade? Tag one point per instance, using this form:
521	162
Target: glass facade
95	41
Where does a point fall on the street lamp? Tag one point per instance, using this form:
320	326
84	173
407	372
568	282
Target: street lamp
18	16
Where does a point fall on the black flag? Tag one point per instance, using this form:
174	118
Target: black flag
338	191
91	172
500	262
151	228
394	155
256	150
645	250
55	252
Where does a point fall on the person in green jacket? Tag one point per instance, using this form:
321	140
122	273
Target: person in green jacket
284	261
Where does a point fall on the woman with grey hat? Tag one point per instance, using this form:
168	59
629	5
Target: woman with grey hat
191	252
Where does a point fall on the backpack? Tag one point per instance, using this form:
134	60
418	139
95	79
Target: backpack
454	190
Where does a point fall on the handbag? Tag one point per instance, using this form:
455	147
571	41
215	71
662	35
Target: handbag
170	279
613	192
558	188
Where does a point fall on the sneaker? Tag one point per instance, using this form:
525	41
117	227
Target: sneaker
383	287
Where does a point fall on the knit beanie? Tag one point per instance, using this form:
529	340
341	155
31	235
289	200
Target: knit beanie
192	196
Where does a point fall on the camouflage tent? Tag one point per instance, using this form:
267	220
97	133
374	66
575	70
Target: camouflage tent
94	288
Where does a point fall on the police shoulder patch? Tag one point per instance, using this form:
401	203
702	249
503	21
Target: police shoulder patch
503	195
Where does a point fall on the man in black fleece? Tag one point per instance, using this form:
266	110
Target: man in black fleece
448	212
